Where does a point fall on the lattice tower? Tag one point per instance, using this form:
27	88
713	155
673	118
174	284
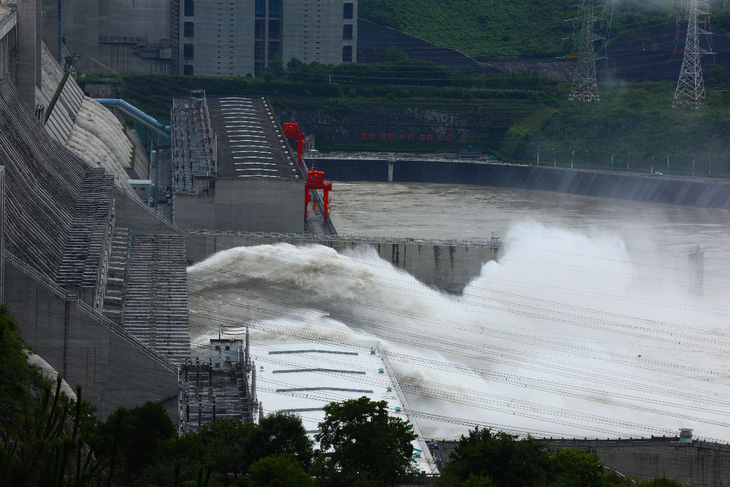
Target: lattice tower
690	92
584	86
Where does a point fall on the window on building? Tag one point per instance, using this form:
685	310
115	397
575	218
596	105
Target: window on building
348	11
274	29
189	29
259	50
188	70
347	32
188	51
260	8
274	50
274	8
260	28
189	8
346	54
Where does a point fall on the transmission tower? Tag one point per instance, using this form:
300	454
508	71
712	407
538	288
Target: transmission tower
690	92
584	86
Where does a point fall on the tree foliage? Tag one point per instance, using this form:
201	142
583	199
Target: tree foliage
661	482
503	458
361	442
17	378
132	436
576	468
227	446
527	28
281	433
282	470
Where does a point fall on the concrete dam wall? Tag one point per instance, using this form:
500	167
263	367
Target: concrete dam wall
64	265
695	192
445	265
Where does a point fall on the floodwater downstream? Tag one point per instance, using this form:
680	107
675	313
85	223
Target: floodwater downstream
593	321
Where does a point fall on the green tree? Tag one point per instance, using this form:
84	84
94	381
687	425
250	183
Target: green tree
576	468
180	457
135	435
477	481
281	433
662	482
17	377
282	470
41	437
505	459
363	445
228	446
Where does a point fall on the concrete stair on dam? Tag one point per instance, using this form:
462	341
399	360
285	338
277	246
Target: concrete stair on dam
59	218
155	303
43	185
117	274
85	258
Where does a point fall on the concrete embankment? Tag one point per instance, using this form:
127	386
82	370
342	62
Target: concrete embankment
684	191
445	265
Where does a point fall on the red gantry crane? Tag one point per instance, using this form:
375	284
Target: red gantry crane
315	179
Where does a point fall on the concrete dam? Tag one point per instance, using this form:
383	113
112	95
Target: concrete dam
695	192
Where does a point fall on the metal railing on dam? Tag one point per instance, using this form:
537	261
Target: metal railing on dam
448	265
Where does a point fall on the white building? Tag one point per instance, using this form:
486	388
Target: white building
204	37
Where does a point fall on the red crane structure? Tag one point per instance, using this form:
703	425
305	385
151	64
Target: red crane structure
315	181
291	130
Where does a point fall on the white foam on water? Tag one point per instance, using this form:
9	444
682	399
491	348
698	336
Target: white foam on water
569	334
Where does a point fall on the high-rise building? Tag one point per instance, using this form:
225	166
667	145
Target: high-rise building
207	37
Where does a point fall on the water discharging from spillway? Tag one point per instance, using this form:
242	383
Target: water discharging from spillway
570	334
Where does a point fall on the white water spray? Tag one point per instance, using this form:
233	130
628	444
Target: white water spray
570	334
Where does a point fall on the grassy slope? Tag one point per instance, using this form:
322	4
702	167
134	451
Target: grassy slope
637	123
490	29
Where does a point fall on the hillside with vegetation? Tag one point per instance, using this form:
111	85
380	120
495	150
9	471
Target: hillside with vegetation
512	117
518	28
415	106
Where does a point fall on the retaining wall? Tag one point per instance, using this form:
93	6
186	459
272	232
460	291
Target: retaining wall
112	368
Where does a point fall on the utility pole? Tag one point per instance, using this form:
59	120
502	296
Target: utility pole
584	86
690	92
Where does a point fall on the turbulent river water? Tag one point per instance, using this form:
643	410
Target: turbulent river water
592	322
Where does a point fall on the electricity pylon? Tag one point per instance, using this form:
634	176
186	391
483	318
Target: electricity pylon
584	86
690	92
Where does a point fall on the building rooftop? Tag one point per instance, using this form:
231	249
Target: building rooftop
250	141
302	378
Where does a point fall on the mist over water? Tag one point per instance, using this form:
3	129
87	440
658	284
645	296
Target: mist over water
576	331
